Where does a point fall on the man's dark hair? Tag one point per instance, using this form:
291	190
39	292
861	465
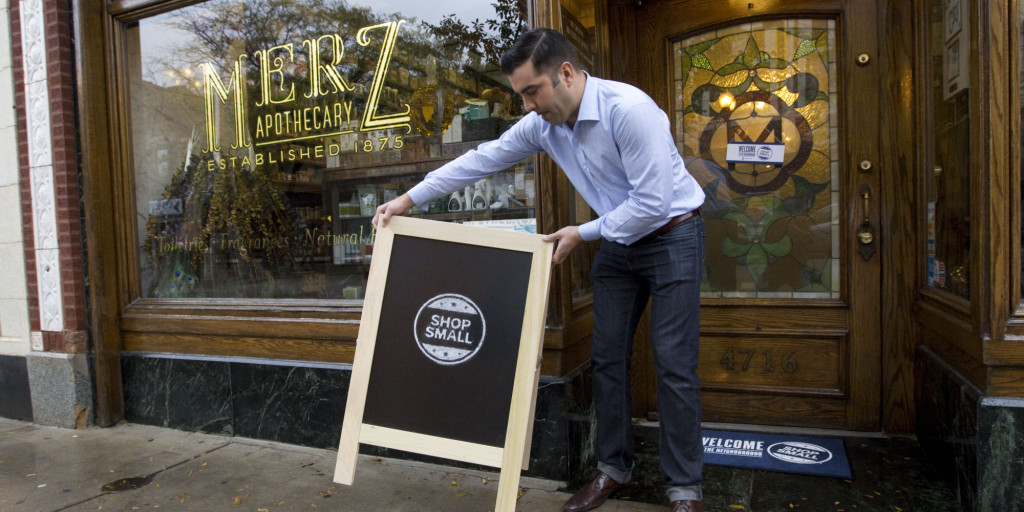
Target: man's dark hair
545	48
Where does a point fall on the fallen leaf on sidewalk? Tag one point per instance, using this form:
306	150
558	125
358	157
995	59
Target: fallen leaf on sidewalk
462	495
238	501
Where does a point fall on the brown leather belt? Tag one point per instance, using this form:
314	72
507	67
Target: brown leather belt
673	222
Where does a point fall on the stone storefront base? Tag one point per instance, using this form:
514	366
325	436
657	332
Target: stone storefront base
15	393
304	403
62	387
975	439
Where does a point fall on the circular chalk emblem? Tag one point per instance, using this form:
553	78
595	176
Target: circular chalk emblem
450	329
799	453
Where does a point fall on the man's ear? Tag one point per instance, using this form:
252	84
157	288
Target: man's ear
567	73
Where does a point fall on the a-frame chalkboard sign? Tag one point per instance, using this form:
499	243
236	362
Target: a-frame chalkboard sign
449	347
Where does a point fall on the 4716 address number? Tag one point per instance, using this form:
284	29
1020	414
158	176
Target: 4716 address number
744	358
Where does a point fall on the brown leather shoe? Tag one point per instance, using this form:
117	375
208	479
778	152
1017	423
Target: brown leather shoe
593	494
688	506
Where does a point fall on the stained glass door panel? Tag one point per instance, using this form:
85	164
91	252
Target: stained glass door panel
772	227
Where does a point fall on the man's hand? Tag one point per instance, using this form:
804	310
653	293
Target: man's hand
399	206
568	238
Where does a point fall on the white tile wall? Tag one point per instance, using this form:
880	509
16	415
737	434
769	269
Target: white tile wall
12	274
10	225
14	323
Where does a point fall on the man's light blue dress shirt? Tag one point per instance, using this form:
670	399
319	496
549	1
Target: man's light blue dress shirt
620	156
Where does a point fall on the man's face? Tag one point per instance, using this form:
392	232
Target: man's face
549	98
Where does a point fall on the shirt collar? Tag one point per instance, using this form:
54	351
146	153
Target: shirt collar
589	108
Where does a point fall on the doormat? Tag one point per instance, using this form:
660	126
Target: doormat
805	455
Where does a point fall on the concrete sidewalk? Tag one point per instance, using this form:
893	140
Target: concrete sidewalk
135	467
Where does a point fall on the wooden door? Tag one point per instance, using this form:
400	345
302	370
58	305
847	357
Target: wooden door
790	321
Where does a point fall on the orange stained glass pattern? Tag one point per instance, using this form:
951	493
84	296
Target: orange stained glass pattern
773	228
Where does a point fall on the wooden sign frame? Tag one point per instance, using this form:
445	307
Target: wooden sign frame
513	457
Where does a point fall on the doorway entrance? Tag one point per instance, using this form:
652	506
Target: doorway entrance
773	111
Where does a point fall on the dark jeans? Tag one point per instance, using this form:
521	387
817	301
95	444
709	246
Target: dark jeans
668	271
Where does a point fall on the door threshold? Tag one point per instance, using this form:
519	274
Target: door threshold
781	429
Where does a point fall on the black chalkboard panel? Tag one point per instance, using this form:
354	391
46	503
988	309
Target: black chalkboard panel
450	341
445	358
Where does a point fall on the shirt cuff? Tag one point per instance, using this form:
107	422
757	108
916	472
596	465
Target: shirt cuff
420	196
590	231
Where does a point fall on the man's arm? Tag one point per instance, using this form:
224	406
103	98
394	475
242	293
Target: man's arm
517	143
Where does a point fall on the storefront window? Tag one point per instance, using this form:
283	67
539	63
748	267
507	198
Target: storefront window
265	133
767	89
948	127
577	22
1020	81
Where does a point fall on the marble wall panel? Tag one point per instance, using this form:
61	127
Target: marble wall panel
17	399
302	403
185	394
291	404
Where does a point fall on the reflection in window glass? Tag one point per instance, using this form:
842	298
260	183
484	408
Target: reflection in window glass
949	183
577	21
266	132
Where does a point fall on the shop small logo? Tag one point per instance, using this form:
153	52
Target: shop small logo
450	329
764	152
799	453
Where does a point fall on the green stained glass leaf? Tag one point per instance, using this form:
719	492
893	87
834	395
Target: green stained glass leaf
803	196
780	248
741	203
767	86
744	222
696	49
734	249
803	187
701	61
685	62
741	88
822	95
751	54
757	261
729	69
805	48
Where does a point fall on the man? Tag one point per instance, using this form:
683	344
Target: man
616	147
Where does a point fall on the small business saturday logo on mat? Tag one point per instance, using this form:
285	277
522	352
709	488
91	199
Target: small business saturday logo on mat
450	329
799	453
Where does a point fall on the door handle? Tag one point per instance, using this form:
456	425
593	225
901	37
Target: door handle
866	233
